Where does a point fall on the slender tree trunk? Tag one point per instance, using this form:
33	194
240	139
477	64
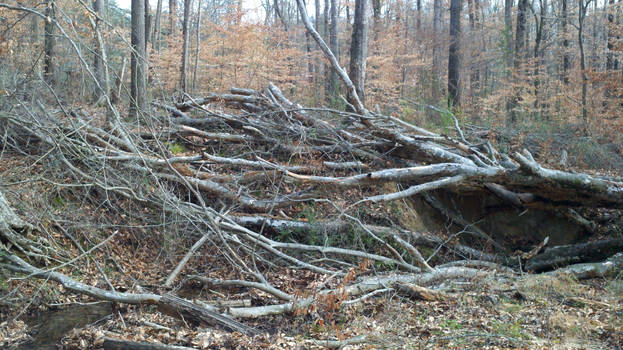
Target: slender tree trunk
185	35
540	25
279	15
520	35
418	23
148	25
376	15
49	62
436	49
318	29
611	61
156	31
359	48
138	88
473	27
508	24
333	45
197	47
581	16
454	59
173	18
99	68
566	62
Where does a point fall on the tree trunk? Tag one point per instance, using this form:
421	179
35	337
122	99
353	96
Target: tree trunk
185	34
454	59
197	48
172	17
49	64
156	30
611	62
333	45
508	29
99	68
359	48
565	43
138	88
520	35
436	48
581	16
473	27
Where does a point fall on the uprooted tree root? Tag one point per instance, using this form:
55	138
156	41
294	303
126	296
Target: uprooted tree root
232	166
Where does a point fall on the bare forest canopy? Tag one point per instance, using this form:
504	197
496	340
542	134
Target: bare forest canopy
393	146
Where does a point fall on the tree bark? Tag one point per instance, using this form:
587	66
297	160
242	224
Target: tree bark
156	29
50	69
520	35
508	29
332	84
565	43
185	35
359	48
436	48
197	48
454	54
99	62
138	88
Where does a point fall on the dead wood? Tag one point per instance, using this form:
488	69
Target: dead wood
420	293
560	256
120	344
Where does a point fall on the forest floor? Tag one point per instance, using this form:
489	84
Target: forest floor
531	312
527	312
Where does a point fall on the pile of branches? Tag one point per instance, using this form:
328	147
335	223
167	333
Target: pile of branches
233	165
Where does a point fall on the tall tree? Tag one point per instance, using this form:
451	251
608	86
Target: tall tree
508	31
185	34
454	54
333	45
148	24
49	62
156	29
520	34
582	6
99	61
566	62
197	46
612	63
359	48
138	88
436	47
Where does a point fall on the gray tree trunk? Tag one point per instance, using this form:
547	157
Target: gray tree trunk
49	62
148	25
454	54
99	69
138	89
197	47
508	29
436	48
565	43
185	33
520	35
156	30
359	48
333	45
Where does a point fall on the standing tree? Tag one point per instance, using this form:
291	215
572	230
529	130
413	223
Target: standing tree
565	43
185	33
454	54
50	45
333	45
436	48
359	48
138	88
582	6
99	61
508	31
